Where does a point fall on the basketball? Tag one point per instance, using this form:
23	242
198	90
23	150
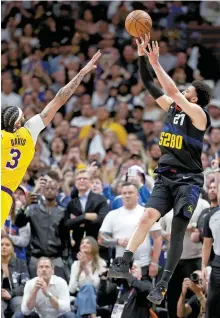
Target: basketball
138	23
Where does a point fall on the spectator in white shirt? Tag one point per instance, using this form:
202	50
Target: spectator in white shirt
85	277
86	118
8	98
119	225
47	295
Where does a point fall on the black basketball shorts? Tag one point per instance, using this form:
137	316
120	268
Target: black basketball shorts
177	191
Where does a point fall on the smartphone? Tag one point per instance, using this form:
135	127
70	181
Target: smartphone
6	283
132	172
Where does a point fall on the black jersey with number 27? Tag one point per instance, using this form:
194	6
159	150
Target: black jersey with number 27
181	142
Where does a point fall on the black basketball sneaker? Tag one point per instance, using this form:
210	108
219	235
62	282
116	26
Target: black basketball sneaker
119	269
156	296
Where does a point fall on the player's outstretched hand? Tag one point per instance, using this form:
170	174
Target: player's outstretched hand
91	64
142	43
152	52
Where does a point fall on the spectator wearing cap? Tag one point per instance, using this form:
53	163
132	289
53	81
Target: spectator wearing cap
214	112
134	123
135	174
19	236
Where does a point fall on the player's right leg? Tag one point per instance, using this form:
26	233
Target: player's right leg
159	204
6	203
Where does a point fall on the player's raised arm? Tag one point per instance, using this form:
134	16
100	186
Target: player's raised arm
67	91
194	111
162	100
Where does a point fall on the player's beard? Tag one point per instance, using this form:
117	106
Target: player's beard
22	122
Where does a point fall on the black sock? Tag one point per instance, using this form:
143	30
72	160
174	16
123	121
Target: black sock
128	255
178	230
166	275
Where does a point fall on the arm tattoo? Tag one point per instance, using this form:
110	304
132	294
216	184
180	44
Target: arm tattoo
65	92
156	234
107	239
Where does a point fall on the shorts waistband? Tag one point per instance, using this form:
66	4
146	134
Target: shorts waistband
161	170
165	169
7	190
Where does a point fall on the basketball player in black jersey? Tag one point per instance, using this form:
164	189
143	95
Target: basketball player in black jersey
180	177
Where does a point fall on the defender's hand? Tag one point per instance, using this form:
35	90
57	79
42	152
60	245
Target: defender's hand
142	44
153	52
91	64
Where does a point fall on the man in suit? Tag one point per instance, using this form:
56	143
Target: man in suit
85	212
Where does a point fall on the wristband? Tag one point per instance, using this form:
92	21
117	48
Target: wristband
49	295
155	264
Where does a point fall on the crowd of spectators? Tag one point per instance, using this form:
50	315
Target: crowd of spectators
97	156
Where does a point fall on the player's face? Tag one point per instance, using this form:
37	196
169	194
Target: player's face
20	123
190	94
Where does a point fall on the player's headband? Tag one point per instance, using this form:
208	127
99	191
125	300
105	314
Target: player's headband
20	114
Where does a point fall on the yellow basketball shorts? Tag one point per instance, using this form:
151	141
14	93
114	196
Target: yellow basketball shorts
6	203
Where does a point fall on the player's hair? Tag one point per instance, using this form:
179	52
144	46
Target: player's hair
9	116
203	91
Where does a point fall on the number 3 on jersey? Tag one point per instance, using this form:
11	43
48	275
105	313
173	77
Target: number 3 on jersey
15	154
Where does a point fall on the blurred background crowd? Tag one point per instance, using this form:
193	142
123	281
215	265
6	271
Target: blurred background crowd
105	135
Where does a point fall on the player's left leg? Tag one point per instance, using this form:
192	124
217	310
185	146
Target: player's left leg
186	198
6	203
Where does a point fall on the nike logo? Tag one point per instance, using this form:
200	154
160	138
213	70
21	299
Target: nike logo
186	177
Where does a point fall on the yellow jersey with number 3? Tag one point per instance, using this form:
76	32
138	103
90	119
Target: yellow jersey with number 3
18	150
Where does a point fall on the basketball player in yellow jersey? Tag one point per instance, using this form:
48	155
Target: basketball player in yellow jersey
19	138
